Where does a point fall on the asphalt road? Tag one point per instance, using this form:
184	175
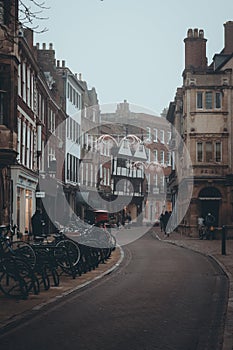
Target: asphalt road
161	297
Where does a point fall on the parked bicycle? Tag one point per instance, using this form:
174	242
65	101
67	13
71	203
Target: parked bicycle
65	251
17	278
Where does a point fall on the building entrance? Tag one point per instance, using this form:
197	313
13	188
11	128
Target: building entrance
210	198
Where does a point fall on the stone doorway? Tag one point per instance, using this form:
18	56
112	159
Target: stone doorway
210	198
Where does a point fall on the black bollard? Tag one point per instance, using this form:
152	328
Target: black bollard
224	240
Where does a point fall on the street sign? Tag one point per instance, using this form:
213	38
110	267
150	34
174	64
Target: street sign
40	194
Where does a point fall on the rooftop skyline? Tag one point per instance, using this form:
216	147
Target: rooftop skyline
131	50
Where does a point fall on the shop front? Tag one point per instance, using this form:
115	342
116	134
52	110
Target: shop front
24	198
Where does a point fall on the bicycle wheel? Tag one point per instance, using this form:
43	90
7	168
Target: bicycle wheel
14	277
68	254
24	251
56	278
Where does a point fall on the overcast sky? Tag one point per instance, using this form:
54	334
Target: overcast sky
131	49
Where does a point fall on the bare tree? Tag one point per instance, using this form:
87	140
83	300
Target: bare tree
30	11
27	14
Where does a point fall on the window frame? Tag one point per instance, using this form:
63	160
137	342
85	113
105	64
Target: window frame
208	100
199	159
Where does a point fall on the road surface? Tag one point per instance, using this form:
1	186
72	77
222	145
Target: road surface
162	297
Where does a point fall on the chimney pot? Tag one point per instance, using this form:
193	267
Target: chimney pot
80	76
50	46
44	46
195	50
38	46
58	63
63	63
201	33
195	33
190	33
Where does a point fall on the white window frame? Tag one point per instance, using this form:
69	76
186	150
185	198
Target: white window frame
148	133
161	136
162	157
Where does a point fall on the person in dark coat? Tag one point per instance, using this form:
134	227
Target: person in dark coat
37	223
161	221
165	220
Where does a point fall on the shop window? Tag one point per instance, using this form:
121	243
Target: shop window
28	210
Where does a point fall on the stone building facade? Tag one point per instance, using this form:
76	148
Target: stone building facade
202	114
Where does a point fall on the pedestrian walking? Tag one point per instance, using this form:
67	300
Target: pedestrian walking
165	220
209	222
200	224
161	221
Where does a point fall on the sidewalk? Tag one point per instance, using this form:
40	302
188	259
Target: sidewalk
213	249
12	311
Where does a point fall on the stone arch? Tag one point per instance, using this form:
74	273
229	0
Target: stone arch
210	192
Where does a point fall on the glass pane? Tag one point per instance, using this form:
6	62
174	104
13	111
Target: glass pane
199	152
28	210
208	100
209	151
199	100
218	155
217	100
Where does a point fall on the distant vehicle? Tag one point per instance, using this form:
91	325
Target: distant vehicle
97	217
101	216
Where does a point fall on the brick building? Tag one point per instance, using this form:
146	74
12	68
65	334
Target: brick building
9	62
151	159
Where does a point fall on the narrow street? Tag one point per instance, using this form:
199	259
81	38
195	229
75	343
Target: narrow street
162	297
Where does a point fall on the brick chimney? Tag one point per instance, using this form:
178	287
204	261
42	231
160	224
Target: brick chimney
195	50
228	49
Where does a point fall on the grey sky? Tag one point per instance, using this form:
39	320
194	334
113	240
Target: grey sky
131	49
